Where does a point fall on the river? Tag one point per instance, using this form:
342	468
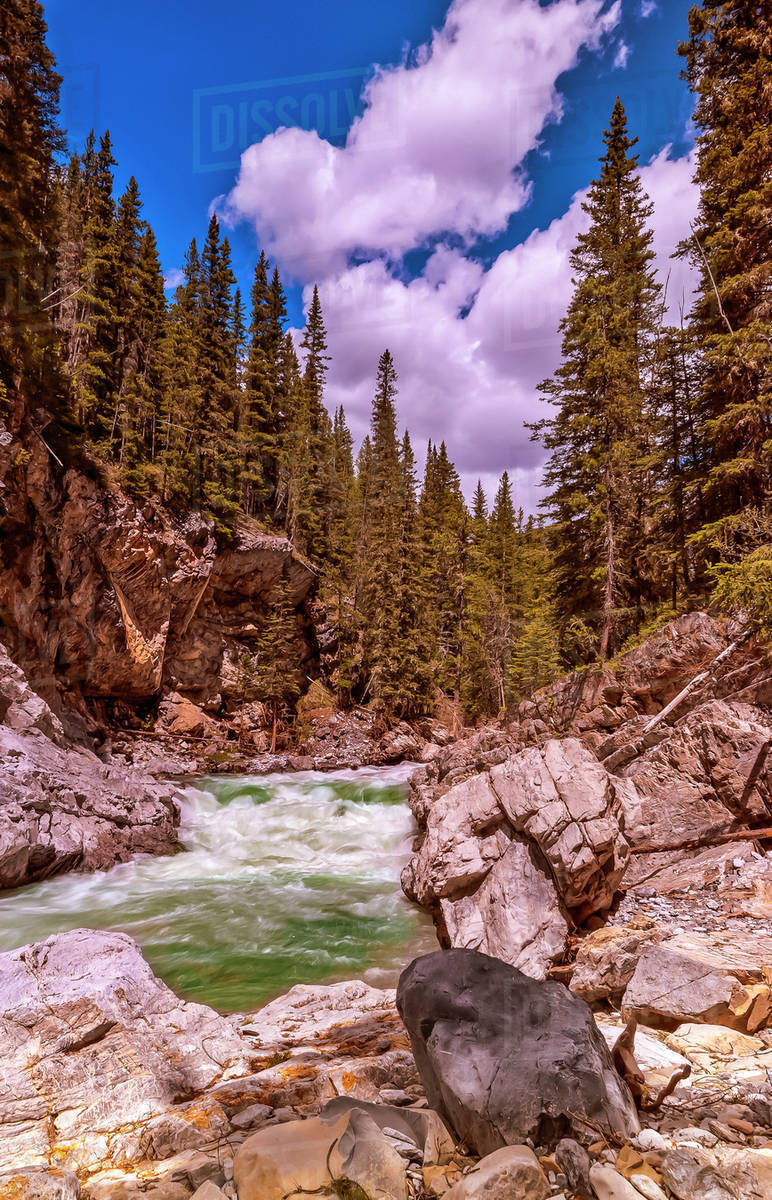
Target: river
282	879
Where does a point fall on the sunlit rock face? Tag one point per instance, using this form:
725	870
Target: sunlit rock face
102	597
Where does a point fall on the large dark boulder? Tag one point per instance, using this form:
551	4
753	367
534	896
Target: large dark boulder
504	1057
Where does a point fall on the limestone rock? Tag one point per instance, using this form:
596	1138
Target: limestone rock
466	833
504	1058
515	915
101	1061
208	1191
180	716
30	1183
670	988
563	799
341	1149
707	775
692	1173
608	1184
512	1173
421	1125
21	708
606	961
68	810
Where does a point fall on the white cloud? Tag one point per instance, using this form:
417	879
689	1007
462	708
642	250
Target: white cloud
471	345
172	279
438	149
648	8
621	56
436	158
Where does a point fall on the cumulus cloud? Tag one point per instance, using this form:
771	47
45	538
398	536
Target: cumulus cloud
436	160
648	8
472	344
438	149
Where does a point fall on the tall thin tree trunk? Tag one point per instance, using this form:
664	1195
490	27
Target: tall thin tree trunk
609	585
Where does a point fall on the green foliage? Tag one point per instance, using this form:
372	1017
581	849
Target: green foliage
599	440
746	587
728	59
658	471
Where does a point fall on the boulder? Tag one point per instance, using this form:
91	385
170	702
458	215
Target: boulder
693	1173
512	1173
608	1184
420	1125
180	716
561	798
574	1162
342	1151
669	988
515	914
710	978
466	833
505	1058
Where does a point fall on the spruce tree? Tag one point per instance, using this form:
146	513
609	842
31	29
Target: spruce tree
728	66
277	682
599	439
30	139
95	371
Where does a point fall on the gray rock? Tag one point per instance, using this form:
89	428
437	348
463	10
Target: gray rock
256	1114
565	801
512	1173
515	915
574	1162
670	987
692	1173
505	1059
67	810
422	1128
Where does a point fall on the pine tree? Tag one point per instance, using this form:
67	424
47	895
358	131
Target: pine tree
30	139
95	374
599	439
276	648
442	520
729	66
386	595
219	449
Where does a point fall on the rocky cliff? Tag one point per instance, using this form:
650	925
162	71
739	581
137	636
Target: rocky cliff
604	789
104	599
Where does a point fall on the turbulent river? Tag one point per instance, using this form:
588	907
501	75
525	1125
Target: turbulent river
282	879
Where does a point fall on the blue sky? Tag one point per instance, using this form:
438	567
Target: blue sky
184	89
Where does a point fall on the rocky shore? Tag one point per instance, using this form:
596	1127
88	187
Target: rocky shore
597	1025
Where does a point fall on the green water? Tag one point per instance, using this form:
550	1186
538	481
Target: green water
283	880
